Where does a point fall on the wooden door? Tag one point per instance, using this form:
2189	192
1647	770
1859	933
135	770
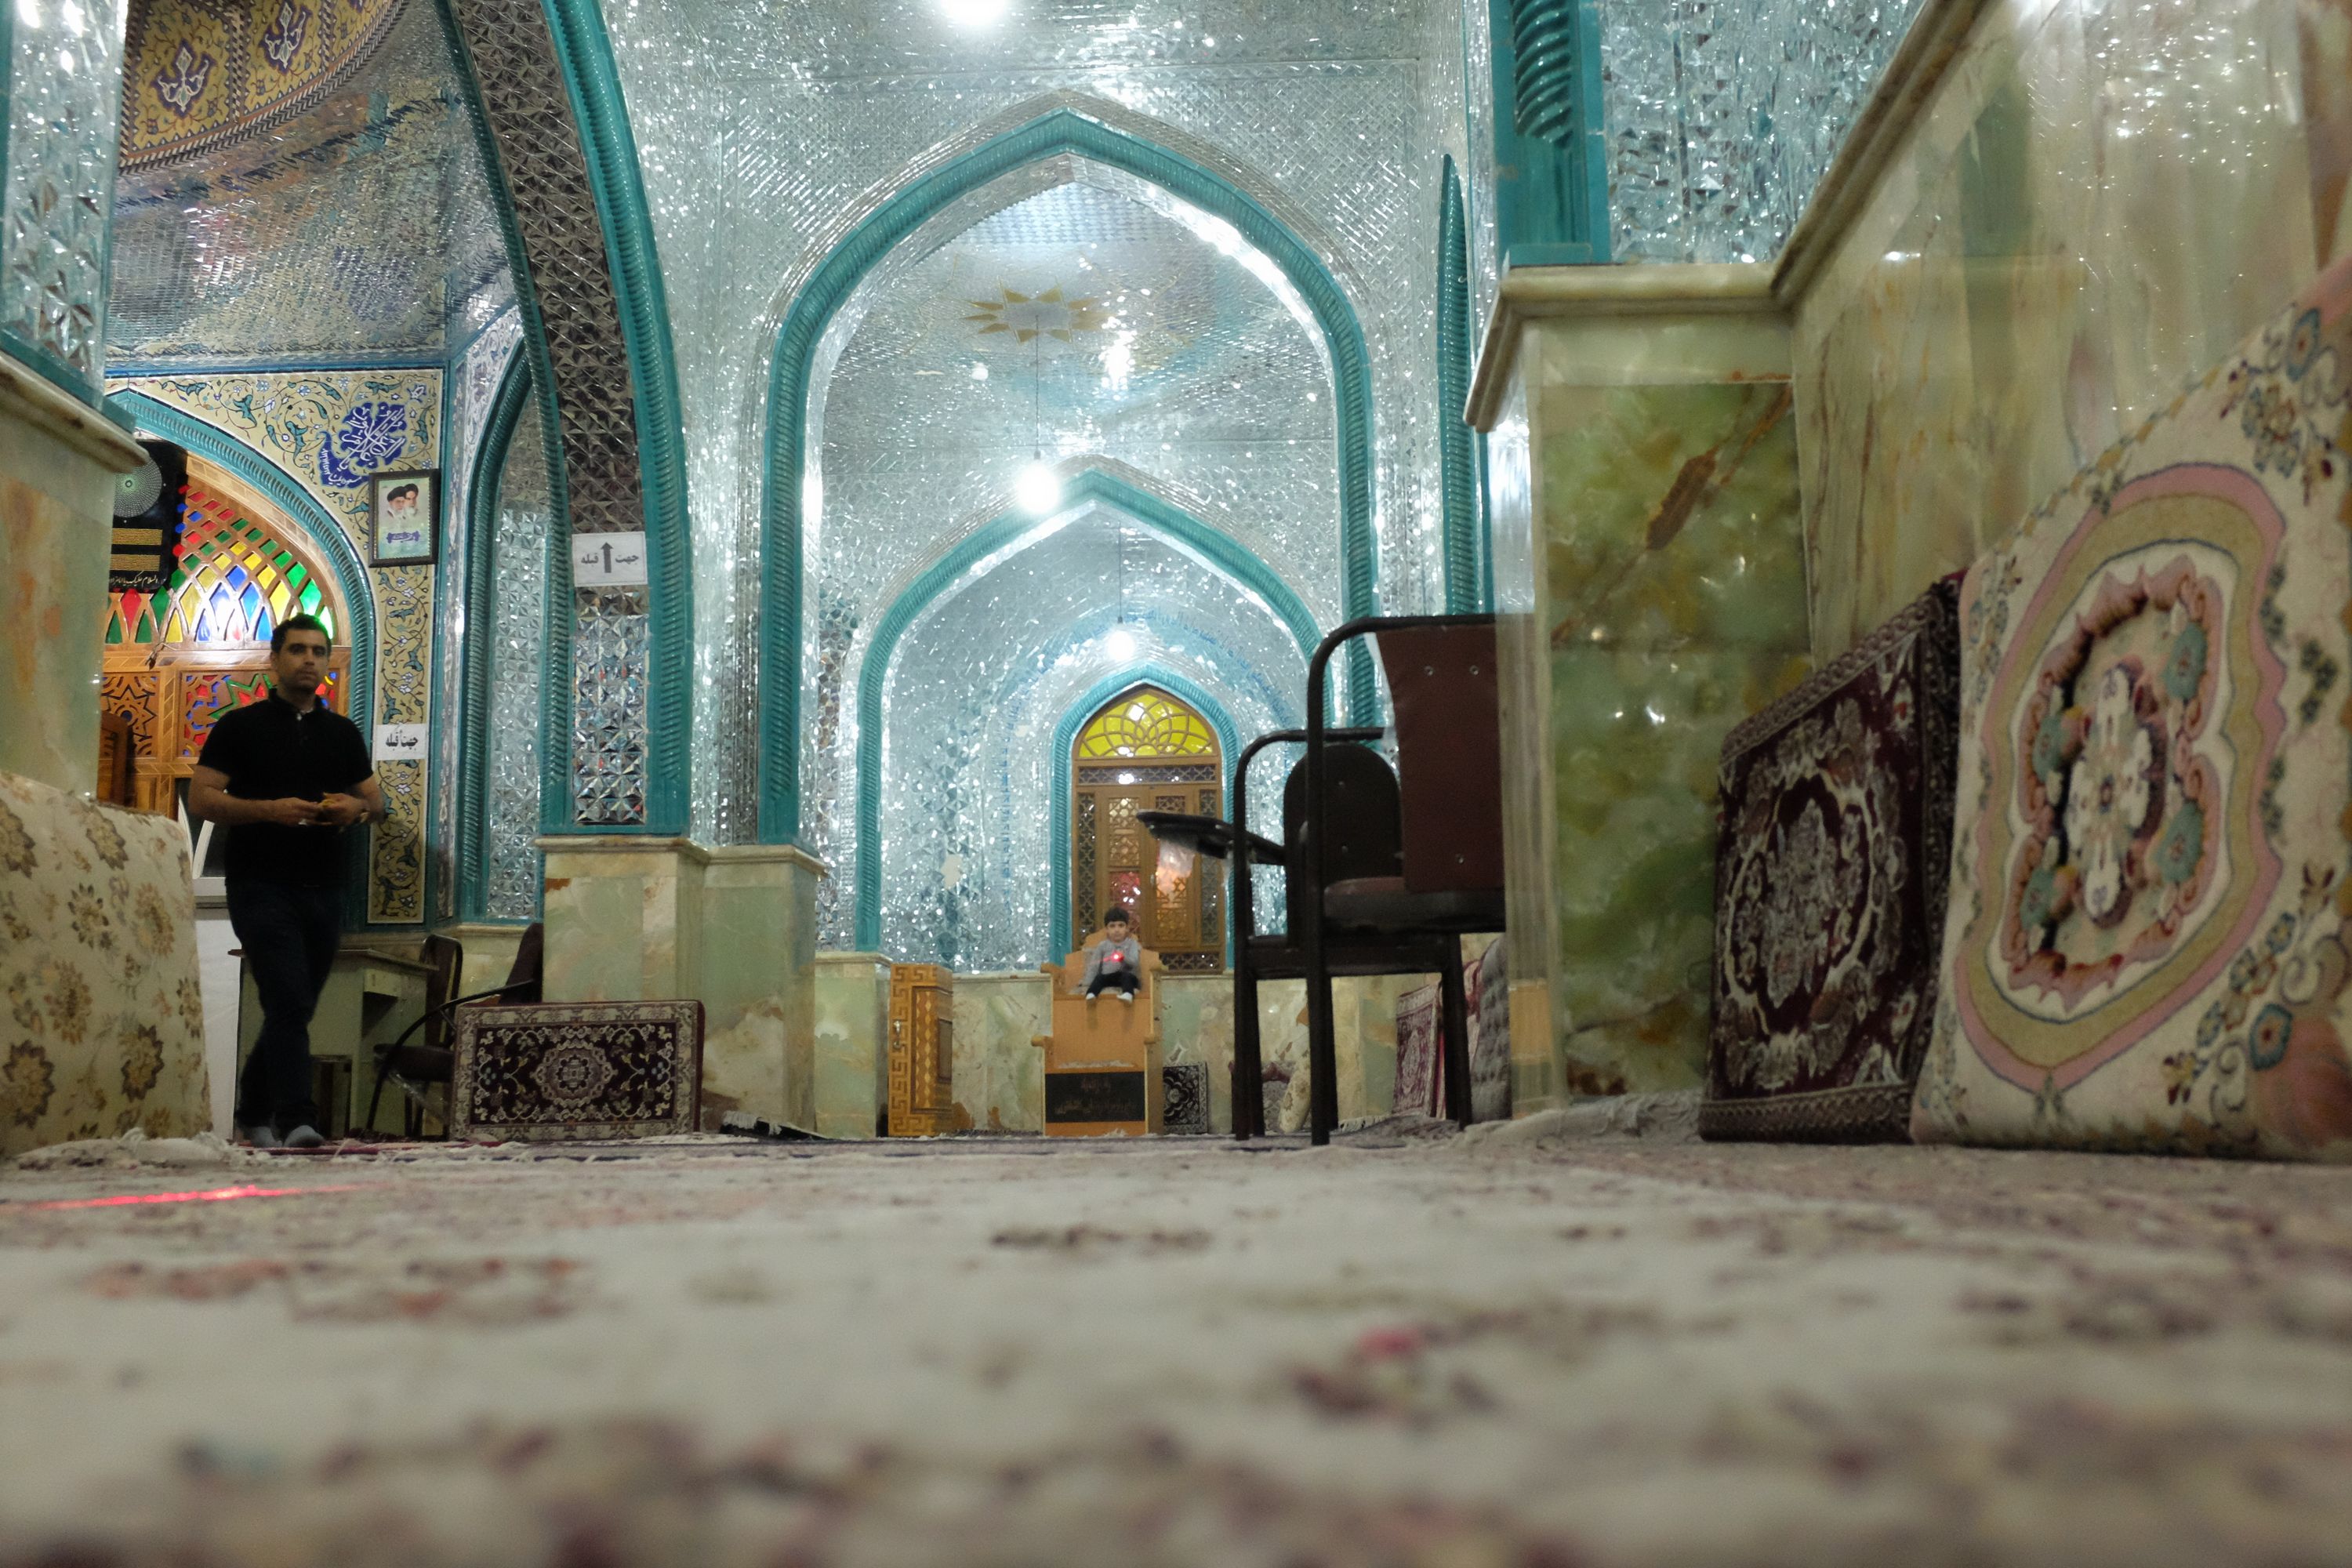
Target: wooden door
167	698
1146	751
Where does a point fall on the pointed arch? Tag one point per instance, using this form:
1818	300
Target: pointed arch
321	532
516	391
1090	702
1059	131
1179	527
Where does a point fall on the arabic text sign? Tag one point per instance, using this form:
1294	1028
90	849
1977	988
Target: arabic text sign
608	560
399	742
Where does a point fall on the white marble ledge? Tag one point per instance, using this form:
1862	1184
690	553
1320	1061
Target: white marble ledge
1625	307
680	848
54	412
1937	35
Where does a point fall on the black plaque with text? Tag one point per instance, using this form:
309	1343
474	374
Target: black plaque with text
1094	1097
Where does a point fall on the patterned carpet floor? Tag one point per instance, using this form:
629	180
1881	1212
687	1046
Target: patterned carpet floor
1406	1350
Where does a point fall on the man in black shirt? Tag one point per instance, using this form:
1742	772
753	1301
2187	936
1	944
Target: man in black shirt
285	775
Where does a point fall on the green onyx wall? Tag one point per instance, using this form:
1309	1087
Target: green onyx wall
1658	599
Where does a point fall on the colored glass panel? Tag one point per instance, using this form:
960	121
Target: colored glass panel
1147	723
235	581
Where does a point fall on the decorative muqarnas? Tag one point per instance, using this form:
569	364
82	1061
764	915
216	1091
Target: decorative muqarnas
1829	890
2146	947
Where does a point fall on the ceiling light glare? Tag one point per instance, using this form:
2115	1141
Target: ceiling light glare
1038	490
1119	643
1118	361
972	13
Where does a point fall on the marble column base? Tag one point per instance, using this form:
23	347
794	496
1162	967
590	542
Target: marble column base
999	1075
624	916
634	918
58	466
839	1073
1650	578
758	986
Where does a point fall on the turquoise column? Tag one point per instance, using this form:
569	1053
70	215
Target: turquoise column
1551	159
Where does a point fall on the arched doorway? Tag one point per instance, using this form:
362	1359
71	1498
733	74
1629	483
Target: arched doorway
1146	749
177	659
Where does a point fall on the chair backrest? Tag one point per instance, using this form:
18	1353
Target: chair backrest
444	964
1365	835
1449	735
523	976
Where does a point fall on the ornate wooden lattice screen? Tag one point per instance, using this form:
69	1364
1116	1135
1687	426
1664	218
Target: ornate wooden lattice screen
177	659
1147	751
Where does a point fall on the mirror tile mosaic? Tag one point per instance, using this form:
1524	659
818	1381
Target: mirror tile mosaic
361	231
1723	115
63	107
767	130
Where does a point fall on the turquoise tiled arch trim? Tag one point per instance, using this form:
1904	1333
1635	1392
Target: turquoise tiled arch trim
1059	132
1065	735
515	392
555	721
143	414
1177	525
594	84
1457	470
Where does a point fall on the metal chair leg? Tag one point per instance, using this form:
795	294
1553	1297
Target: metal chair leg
1322	1058
1454	1000
1249	1060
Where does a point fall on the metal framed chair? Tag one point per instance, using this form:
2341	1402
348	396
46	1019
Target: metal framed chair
1449	882
1363	835
416	1067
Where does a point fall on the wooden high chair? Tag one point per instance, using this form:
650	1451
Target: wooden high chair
1102	1060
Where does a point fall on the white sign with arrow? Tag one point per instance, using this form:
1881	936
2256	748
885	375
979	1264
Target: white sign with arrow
608	560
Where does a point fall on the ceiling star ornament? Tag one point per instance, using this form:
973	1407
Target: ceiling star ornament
1028	317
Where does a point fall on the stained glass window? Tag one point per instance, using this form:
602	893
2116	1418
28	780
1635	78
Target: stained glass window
236	581
1147	723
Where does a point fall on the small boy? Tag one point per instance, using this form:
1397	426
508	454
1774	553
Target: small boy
1116	963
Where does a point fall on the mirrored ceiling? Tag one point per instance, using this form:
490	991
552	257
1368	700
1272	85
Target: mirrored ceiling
359	231
1076	323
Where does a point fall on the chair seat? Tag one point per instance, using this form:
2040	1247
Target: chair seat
1279	958
421	1064
1383	903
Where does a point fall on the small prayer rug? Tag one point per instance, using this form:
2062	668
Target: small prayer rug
584	1069
1829	890
1185	1104
1418	1089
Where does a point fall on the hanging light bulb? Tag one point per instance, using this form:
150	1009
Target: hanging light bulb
1120	642
1038	489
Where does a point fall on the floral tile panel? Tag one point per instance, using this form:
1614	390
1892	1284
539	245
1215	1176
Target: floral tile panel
2146	947
102	1022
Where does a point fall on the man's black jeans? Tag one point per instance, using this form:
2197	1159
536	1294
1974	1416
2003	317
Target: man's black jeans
289	934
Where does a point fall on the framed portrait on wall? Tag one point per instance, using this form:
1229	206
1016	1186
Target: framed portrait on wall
402	514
